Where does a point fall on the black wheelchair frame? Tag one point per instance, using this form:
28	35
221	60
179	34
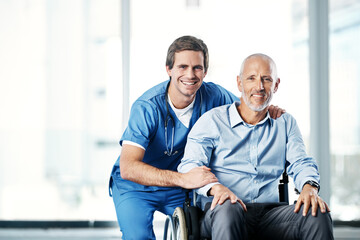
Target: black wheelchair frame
184	224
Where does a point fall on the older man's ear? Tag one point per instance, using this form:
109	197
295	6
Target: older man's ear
238	80
277	85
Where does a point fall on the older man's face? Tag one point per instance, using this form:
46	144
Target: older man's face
256	84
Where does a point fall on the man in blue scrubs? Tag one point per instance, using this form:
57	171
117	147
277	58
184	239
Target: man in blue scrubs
144	178
248	151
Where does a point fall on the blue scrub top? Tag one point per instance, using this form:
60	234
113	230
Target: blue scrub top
147	127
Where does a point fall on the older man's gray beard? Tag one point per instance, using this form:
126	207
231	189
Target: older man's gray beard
257	108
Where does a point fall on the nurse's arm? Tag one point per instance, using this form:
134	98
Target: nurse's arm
132	168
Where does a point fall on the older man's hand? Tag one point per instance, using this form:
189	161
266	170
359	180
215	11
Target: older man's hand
221	194
309	196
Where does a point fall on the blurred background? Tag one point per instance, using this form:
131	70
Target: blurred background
70	70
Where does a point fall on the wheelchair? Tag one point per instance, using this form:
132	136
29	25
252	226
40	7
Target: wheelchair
184	224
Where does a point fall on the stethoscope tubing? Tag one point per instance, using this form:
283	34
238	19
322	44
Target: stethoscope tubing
168	118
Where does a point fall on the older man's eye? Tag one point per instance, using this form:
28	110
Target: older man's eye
266	79
198	68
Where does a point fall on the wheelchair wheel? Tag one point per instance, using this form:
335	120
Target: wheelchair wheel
169	229
180	224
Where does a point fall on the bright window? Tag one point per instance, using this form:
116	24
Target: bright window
60	96
61	89
345	108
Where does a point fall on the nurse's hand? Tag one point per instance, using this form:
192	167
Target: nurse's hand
275	112
198	177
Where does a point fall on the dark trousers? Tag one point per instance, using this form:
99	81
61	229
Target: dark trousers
264	221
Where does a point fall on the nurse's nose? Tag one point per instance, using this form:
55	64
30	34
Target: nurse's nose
190	73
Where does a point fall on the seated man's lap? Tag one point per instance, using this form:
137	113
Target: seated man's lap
218	222
268	221
283	223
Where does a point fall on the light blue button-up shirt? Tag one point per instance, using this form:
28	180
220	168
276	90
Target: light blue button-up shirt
248	159
146	128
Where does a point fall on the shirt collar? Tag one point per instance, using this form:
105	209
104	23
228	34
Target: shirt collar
236	119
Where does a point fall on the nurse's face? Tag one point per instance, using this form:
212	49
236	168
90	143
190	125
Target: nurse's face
186	75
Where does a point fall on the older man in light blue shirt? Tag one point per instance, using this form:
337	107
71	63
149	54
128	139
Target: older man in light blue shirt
248	151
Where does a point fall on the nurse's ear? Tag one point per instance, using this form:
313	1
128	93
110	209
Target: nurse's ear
168	70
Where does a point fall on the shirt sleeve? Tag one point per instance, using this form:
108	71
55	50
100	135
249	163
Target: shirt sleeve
198	149
302	167
143	123
124	142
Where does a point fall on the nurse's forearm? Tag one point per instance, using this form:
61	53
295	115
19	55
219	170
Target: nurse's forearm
148	175
134	169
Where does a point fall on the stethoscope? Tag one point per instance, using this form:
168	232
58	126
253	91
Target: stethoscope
170	118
